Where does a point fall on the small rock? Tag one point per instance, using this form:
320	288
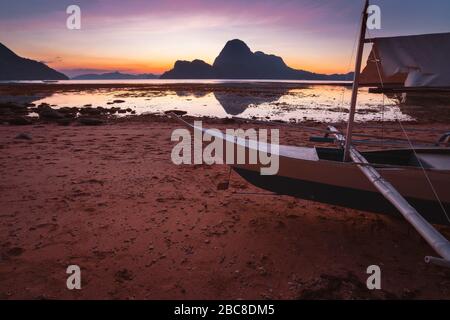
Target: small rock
48	113
14	252
6	112
19	121
124	275
177	112
223	185
69	112
23	136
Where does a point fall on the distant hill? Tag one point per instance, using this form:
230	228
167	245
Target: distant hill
13	67
197	69
115	76
237	61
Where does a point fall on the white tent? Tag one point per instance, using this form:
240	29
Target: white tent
423	59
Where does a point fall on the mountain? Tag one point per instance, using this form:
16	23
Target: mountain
115	76
196	69
13	67
237	61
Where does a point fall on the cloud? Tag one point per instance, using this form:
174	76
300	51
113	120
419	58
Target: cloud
54	60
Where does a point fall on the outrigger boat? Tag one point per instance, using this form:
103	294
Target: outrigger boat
403	181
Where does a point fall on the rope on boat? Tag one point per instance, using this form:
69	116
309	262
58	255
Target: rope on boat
433	237
427	177
412	146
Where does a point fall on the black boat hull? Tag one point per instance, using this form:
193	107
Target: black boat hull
342	196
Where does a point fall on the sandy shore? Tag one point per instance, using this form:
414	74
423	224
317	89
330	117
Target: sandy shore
109	199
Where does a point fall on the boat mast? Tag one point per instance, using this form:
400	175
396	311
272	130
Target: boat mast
351	118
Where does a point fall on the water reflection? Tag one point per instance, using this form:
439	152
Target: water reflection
235	104
314	102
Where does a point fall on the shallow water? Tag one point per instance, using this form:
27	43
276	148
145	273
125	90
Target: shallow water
328	103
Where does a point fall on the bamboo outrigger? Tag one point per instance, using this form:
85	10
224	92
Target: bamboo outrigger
435	239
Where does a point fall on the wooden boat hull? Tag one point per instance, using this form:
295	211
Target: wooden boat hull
319	174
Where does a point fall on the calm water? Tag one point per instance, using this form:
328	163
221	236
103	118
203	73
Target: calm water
311	101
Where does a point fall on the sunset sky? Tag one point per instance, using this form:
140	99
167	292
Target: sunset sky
148	36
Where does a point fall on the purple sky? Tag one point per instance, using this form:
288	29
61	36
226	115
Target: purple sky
148	36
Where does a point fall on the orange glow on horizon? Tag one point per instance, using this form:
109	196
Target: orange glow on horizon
159	67
111	64
140	63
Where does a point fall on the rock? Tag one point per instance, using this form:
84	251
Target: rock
118	101
176	112
20	110
90	121
122	111
9	105
11	108
6	111
228	120
113	110
23	136
16	251
124	275
69	112
19	121
223	185
91	111
48	113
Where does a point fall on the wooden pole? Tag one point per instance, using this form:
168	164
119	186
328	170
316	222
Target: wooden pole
351	118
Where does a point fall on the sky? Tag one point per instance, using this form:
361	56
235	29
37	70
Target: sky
139	36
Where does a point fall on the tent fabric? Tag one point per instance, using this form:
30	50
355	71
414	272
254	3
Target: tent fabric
424	59
374	70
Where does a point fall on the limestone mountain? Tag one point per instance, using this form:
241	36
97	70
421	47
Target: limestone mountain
237	61
13	67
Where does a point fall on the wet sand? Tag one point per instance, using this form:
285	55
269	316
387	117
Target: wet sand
109	199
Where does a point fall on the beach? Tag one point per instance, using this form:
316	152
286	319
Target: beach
108	198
